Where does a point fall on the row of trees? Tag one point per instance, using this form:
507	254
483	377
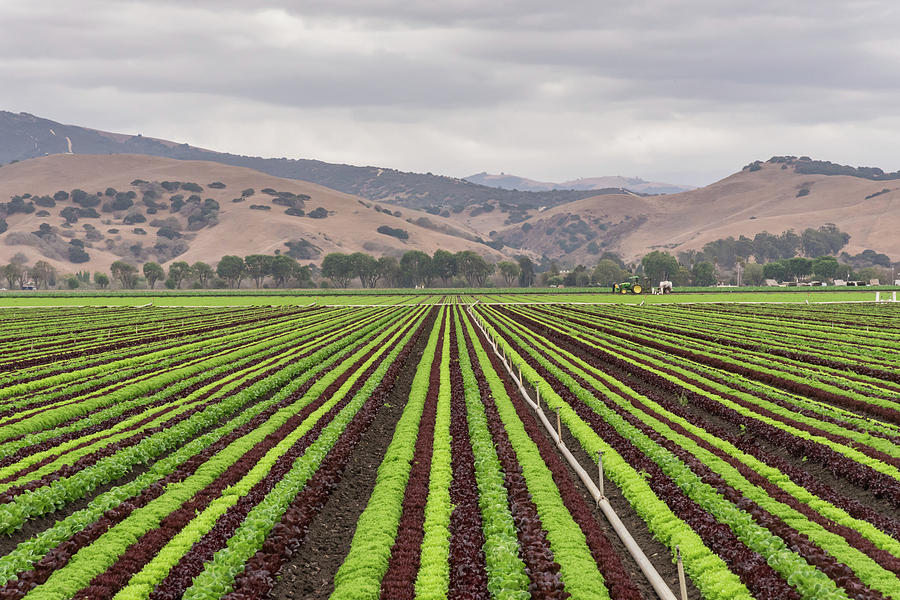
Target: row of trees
414	269
17	274
229	272
418	269
661	265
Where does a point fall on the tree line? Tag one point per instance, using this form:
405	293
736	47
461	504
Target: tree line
419	269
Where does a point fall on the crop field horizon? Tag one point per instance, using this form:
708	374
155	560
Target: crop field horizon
428	445
213	298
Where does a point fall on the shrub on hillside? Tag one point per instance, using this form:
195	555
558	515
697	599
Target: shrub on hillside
400	234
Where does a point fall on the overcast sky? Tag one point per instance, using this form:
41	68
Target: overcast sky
677	91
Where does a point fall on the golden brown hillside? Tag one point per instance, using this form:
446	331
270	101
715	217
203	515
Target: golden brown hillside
746	203
350	224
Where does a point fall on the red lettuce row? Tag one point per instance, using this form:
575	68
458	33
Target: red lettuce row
468	574
399	580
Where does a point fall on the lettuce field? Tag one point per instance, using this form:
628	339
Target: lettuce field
388	451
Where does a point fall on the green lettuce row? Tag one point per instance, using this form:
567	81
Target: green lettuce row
49	498
578	570
707	571
811	583
143	582
359	577
507	578
867	569
103	553
433	579
29	551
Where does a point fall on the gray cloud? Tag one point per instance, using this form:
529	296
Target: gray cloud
689	91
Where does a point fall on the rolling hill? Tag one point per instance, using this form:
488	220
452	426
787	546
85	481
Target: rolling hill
773	196
242	212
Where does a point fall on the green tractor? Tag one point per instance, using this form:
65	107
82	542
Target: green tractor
632	286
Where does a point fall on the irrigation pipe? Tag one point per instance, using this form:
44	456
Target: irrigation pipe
656	581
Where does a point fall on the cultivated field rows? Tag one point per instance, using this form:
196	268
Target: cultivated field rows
385	451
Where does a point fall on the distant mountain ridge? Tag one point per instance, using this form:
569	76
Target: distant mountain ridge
24	136
632	184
